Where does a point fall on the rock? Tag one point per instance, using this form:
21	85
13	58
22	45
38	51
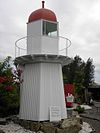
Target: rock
71	122
79	119
1	131
14	128
71	129
86	128
61	130
71	125
48	128
75	113
13	118
74	129
3	121
40	132
35	126
25	124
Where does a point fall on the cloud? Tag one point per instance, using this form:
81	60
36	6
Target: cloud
79	20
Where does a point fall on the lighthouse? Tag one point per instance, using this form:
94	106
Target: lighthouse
42	91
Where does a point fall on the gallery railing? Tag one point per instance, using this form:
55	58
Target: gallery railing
21	45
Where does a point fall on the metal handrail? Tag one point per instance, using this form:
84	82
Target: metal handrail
66	40
20	48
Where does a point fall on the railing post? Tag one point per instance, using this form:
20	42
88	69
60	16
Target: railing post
18	51
15	51
66	47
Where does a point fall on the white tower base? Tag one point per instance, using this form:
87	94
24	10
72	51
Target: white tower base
42	88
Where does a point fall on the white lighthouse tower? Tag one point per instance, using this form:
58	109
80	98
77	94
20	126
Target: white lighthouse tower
42	86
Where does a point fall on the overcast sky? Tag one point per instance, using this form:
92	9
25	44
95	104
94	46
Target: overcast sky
79	20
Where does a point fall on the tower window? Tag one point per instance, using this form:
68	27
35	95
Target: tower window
49	29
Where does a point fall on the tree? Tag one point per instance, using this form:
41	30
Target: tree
80	74
88	73
9	85
74	71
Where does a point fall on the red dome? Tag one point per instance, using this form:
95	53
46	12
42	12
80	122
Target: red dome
42	14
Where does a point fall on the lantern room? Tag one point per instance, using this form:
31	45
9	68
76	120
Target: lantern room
42	24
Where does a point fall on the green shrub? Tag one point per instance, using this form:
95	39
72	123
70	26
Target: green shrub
79	109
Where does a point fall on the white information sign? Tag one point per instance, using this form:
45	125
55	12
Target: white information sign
55	113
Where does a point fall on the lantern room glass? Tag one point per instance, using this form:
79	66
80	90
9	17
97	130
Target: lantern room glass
50	29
